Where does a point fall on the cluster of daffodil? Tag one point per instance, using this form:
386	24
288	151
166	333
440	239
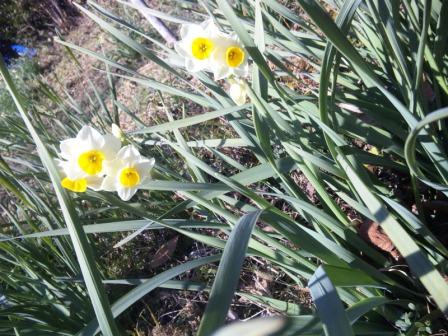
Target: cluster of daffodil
206	48
97	161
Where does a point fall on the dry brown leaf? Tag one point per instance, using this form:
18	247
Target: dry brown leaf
372	232
164	253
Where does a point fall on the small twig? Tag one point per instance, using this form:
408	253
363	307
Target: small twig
158	25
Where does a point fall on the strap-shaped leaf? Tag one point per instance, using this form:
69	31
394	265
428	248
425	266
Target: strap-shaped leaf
411	142
328	304
228	275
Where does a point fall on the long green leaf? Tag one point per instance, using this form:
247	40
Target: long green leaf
227	276
189	121
329	306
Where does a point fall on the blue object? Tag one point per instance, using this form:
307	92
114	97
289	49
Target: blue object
24	51
11	51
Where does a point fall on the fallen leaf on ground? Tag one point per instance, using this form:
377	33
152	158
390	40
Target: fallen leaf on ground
164	253
372	233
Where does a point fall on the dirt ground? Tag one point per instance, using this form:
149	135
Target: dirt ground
71	77
59	69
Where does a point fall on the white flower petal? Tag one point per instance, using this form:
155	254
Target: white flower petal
242	70
182	49
94	182
189	30
90	137
145	180
222	42
111	146
112	167
108	184
129	154
143	167
210	29
60	165
126	193
221	71
218	60
69	148
72	170
219	53
193	65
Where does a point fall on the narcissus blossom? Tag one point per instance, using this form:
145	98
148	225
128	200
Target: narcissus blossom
205	47
78	185
127	172
197	44
92	160
85	157
229	58
238	91
77	182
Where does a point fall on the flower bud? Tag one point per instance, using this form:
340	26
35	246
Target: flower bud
117	132
238	92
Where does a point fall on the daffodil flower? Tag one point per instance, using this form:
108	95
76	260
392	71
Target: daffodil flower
127	172
197	44
77	182
238	91
85	157
229	58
